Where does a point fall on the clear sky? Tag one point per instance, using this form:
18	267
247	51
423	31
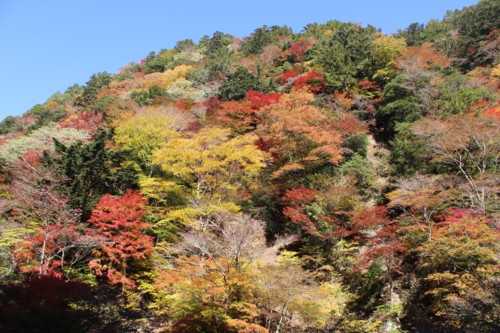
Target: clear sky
46	45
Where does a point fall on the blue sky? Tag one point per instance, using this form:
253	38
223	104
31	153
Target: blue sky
46	46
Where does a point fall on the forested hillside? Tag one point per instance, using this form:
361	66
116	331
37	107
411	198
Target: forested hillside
330	180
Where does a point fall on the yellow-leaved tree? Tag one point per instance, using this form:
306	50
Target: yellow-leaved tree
213	168
385	51
143	133
167	78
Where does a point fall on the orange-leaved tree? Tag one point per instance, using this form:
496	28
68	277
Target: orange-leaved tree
461	270
298	134
244	116
206	286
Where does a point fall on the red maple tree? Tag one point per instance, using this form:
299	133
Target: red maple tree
297	201
119	219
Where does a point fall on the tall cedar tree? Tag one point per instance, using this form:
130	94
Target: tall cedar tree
91	170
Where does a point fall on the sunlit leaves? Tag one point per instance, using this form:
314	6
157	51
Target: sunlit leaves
145	132
385	51
119	220
296	132
214	168
212	163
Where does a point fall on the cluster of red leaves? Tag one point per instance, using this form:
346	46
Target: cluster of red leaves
490	109
379	234
457	214
348	125
261	144
30	159
312	80
259	99
194	126
463	227
494	34
368	85
119	220
139	74
291	73
477	106
244	116
296	200
298	49
211	104
370	89
301	195
370	218
89	121
55	240
237	115
184	104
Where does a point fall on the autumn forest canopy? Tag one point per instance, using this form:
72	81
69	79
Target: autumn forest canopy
334	179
